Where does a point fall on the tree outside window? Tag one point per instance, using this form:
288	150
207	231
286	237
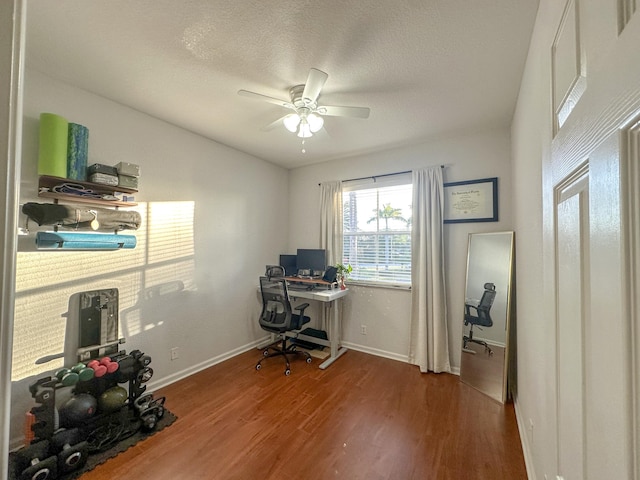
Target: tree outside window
377	234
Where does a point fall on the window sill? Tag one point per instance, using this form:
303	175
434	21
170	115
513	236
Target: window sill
389	286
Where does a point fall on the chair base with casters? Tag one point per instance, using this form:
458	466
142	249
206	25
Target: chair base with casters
281	348
277	317
467	339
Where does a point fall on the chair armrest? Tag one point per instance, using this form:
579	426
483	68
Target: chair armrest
472	302
301	308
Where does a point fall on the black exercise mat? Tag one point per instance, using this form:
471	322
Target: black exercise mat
97	458
78	217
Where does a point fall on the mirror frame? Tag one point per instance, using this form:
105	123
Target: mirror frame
508	369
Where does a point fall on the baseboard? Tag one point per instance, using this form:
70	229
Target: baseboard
163	382
389	355
524	440
377	352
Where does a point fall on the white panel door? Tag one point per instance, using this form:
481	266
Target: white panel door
593	331
572	217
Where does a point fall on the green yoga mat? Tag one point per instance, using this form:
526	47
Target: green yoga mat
52	153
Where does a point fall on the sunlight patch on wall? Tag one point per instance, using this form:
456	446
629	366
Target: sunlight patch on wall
170	231
152	279
40	328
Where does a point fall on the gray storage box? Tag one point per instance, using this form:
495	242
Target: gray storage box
130	169
104	179
101	168
128	181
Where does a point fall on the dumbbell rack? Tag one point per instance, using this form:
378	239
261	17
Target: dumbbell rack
57	451
61	446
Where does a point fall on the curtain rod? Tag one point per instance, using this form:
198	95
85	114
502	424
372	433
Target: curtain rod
380	176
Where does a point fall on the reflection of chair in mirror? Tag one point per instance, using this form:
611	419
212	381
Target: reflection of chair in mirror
277	317
479	315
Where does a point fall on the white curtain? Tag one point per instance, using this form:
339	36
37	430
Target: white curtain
429	343
331	220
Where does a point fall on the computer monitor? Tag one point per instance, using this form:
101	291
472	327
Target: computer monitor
313	260
290	264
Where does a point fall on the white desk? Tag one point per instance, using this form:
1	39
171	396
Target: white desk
328	299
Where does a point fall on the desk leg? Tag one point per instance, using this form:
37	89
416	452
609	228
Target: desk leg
334	336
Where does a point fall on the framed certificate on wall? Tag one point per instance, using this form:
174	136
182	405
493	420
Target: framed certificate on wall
471	201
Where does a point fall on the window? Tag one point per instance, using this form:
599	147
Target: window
377	231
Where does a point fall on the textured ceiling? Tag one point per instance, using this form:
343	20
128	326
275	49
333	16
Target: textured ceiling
425	68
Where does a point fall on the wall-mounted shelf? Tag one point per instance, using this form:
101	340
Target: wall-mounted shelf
46	181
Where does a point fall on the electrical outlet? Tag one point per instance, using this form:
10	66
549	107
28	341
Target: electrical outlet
174	353
363	329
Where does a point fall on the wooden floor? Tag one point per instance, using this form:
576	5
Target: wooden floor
365	417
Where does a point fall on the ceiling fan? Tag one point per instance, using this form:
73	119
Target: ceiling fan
307	117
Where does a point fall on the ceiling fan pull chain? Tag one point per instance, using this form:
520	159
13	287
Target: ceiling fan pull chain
303	150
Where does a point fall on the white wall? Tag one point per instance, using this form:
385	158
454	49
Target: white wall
212	218
540	162
386	312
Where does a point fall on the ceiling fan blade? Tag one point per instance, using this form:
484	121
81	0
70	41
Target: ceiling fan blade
265	98
273	125
334	111
315	82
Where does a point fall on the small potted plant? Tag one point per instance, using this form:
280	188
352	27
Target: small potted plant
342	273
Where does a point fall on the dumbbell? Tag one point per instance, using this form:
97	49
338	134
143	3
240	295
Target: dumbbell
84	373
34	462
75	374
110	364
141	357
73	451
98	369
150	410
103	366
144	360
145	374
143	402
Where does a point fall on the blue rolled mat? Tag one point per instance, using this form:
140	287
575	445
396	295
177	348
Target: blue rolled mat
83	241
77	152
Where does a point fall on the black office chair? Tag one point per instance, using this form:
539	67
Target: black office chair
277	317
480	316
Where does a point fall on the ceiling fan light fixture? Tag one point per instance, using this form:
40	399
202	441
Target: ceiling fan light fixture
307	118
315	122
305	130
291	122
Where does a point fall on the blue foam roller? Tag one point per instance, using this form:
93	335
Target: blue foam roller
77	152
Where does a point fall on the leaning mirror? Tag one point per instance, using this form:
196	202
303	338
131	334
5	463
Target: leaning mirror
488	303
